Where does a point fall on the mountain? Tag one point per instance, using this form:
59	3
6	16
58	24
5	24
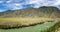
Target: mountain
51	12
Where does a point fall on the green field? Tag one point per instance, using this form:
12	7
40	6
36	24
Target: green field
49	25
46	27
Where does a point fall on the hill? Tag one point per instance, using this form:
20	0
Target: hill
50	12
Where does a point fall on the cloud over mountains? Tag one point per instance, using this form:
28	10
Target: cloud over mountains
20	4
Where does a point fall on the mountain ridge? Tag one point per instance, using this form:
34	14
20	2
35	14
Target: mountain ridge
50	12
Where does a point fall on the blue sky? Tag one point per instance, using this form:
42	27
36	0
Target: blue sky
21	4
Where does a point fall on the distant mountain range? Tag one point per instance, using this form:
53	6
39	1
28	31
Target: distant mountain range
51	12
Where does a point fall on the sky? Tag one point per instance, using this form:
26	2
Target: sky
22	4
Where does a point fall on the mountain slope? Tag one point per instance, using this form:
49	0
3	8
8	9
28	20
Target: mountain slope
51	12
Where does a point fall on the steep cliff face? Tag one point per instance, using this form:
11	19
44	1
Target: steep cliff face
52	12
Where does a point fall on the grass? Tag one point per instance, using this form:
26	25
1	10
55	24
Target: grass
58	30
12	22
38	28
26	19
48	26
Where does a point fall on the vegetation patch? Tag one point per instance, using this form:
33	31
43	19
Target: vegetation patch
18	26
45	27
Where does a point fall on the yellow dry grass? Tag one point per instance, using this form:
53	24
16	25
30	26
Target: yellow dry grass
24	21
27	19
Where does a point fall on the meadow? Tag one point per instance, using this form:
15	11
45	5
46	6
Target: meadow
46	27
32	24
23	21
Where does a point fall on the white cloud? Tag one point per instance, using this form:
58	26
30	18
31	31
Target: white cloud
57	2
1	1
8	1
18	4
15	6
37	3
